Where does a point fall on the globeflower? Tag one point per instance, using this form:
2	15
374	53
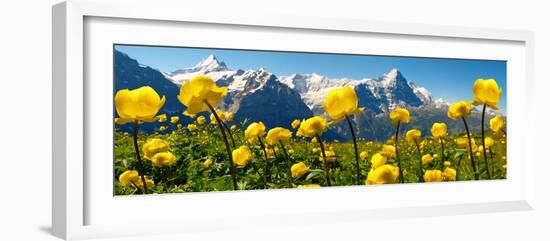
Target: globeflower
221	115
400	115
433	176
459	109
377	160
413	135
439	130
141	104
128	177
241	156
201	120
388	151
149	182
254	131
486	92
163	159
299	169
162	118
200	92
174	119
278	135
427	159
489	142
330	156
341	102
154	146
383	175
309	186
497	123
364	155
191	127
207	163
449	174
313	126
295	124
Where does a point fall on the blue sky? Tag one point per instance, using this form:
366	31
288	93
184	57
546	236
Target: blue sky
450	79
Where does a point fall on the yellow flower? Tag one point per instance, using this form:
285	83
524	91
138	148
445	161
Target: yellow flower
299	169
149	181
384	174
201	120
331	156
489	142
446	163
459	109
413	135
162	118
254	131
400	115
313	126
230	116
309	186
221	115
154	146
388	151
427	159
439	130
496	123
179	126
241	156
121	121
162	128
462	142
341	102
314	141
364	155
295	124
233	128
486	91
191	127
207	163
449	174
141	104
278	135
433	176
377	160
199	90
174	119
128	176
163	159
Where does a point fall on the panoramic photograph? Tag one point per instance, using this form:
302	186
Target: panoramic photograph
192	119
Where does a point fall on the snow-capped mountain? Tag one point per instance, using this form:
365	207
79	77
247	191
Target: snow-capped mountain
378	95
259	95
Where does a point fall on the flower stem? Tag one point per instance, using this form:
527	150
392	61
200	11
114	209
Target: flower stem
230	135
483	140
358	171
227	147
289	173
325	160
277	166
472	160
265	162
139	163
442	151
420	172
401	179
458	167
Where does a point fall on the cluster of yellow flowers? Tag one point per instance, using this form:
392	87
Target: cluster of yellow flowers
201	94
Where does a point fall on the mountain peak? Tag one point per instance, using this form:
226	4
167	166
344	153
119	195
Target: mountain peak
211	63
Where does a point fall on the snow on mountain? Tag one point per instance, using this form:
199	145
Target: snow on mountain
379	95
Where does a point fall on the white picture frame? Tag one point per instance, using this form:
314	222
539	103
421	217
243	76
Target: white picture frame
73	194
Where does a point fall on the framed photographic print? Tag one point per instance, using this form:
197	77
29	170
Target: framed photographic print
202	121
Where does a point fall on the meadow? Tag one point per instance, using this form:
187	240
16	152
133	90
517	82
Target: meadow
216	153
